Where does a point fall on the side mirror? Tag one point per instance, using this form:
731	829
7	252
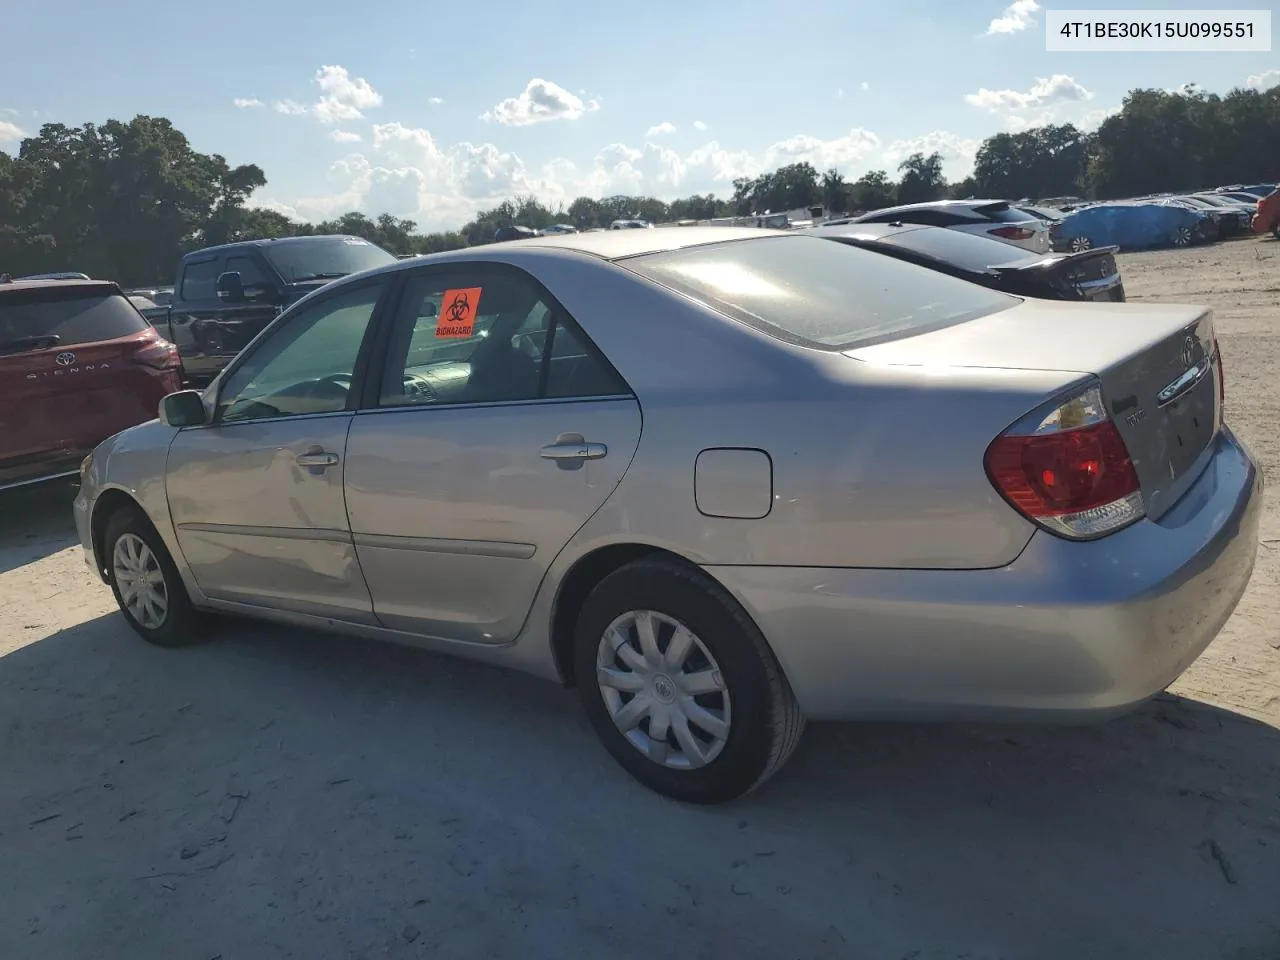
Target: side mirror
230	287
183	409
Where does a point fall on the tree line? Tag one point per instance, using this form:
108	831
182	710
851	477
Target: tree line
126	200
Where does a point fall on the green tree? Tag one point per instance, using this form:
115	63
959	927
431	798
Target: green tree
922	178
836	191
873	191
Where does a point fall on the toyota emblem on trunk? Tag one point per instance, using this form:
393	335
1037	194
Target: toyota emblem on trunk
1188	352
65	359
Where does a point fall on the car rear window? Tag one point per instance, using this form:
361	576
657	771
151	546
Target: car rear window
965	250
73	315
1006	214
810	291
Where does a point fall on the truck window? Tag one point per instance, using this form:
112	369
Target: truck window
200	280
250	274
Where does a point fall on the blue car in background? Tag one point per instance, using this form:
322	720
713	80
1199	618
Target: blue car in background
1135	226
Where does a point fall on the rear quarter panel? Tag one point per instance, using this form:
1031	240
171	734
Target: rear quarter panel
873	466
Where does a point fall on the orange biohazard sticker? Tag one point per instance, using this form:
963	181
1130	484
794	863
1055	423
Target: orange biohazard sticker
457	316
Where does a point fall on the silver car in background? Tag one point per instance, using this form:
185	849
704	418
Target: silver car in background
997	219
720	480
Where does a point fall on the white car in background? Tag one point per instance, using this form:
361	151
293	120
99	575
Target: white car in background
997	219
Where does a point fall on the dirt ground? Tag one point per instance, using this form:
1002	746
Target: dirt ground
280	794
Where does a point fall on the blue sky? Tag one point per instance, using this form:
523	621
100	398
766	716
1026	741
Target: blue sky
434	110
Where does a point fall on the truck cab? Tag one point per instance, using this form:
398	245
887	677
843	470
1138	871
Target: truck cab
224	296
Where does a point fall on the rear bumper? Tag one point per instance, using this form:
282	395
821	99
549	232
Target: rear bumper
1066	631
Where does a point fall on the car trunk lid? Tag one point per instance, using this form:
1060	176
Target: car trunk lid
1156	365
1093	274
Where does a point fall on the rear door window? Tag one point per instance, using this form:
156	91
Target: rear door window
71	315
811	291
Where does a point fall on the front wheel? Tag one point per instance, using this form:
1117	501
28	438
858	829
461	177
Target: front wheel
1183	237
146	582
681	686
1081	244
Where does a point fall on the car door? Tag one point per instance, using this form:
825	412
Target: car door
498	430
256	495
238	321
192	316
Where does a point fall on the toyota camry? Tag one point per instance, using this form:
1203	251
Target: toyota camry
722	481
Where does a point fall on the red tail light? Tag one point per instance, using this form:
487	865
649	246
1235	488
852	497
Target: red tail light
1067	469
158	353
1013	233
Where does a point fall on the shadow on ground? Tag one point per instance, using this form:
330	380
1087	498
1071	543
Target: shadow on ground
34	523
278	793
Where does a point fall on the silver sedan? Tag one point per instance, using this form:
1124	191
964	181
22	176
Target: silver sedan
720	480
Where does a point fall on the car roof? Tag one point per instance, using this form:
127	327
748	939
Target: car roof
16	285
617	244
934	204
869	231
275	241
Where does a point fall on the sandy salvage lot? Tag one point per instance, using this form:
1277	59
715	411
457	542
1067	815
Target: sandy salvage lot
280	794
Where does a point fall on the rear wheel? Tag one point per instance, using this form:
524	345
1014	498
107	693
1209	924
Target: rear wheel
146	582
681	686
1080	244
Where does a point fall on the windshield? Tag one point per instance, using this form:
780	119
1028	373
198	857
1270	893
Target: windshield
324	258
811	291
49	317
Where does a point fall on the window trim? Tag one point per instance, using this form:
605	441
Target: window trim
371	397
359	373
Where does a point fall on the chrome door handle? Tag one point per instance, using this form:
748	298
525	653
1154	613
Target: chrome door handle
316	459
574	451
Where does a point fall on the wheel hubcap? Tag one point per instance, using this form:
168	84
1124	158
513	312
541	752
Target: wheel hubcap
138	577
663	689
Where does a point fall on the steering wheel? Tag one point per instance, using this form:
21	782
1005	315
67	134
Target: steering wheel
336	387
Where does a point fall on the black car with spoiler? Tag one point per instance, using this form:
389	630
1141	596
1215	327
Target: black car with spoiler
1089	275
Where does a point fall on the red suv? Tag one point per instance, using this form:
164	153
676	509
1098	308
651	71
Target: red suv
78	363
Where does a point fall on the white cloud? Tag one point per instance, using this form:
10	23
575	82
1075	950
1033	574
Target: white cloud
957	152
344	97
248	103
1264	80
699	125
840	152
1019	15
1093	119
839	93
663	129
864	86
10	132
290	107
1059	88
540	101
344	136
435	101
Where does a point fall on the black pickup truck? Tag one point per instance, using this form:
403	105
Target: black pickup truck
223	296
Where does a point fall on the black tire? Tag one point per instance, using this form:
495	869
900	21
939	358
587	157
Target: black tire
766	719
183	625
